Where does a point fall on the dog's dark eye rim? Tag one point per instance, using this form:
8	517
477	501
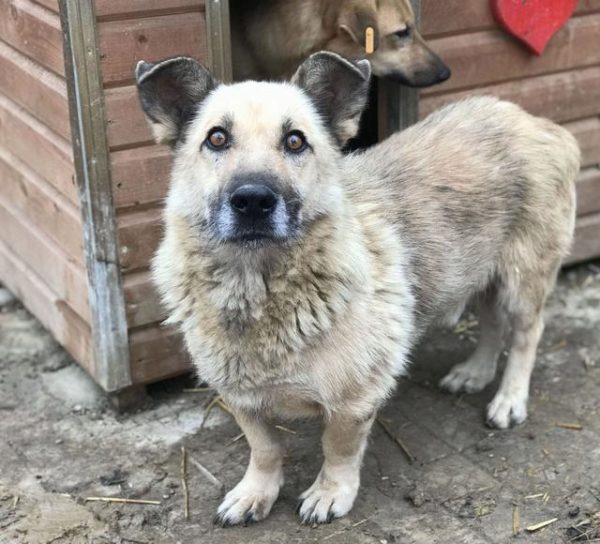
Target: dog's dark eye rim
291	136
217	145
403	32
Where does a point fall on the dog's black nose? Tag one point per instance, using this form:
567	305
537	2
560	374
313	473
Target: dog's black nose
444	73
253	201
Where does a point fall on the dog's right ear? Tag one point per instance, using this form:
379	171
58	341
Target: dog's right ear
339	88
169	92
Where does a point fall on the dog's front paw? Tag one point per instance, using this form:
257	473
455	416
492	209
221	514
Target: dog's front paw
469	377
507	409
326	500
247	503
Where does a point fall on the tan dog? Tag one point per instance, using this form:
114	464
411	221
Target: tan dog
270	38
301	277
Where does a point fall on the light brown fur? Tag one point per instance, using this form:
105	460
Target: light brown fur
270	38
475	202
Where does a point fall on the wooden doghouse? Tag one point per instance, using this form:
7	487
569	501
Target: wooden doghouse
81	183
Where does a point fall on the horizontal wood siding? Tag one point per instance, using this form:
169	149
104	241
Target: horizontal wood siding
588	192
564	96
40	92
460	16
130	31
123	43
52	5
122	9
34	31
587	241
34	143
44	258
41	238
140	176
69	329
156	353
562	84
45	208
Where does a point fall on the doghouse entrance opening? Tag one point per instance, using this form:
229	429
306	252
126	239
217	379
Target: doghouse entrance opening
391	107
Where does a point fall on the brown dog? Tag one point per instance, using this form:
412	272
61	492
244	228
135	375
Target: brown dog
270	38
301	278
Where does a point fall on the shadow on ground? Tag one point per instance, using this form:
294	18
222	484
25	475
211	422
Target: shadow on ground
60	444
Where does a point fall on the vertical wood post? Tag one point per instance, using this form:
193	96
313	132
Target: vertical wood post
110	367
219	39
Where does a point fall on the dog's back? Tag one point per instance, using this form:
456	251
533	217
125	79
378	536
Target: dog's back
465	210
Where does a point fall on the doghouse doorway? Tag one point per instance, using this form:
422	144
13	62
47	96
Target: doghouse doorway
397	106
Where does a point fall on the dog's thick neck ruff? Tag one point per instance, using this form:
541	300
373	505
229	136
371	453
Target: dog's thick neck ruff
243	282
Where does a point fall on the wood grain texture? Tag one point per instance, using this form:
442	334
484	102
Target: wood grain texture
141	299
588	192
66	326
452	16
52	5
92	165
46	153
122	9
46	209
123	43
34	31
42	93
483	58
587	241
126	124
156	353
139	236
565	96
140	176
587	132
45	258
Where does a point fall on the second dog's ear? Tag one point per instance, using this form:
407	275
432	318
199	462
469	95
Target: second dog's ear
169	92
338	87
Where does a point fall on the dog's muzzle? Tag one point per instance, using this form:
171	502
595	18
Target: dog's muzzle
253	212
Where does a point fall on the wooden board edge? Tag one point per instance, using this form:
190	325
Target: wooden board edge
92	164
218	35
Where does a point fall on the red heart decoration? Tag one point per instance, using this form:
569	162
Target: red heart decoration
533	22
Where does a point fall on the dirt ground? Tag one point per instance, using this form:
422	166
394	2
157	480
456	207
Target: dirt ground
60	443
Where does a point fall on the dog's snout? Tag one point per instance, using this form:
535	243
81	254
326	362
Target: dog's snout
253	201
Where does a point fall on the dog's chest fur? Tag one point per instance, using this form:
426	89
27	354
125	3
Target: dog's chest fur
261	326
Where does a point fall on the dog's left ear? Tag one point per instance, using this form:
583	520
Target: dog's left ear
339	89
169	92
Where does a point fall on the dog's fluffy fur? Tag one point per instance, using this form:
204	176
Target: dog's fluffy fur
475	202
270	38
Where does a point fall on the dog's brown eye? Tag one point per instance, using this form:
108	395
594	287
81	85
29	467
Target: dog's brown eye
295	141
217	139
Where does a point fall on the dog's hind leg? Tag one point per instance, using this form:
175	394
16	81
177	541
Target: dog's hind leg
333	492
480	368
252	498
524	295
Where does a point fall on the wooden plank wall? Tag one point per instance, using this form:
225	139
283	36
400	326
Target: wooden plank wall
41	241
130	31
563	84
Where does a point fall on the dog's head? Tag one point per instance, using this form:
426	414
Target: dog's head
255	162
400	52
